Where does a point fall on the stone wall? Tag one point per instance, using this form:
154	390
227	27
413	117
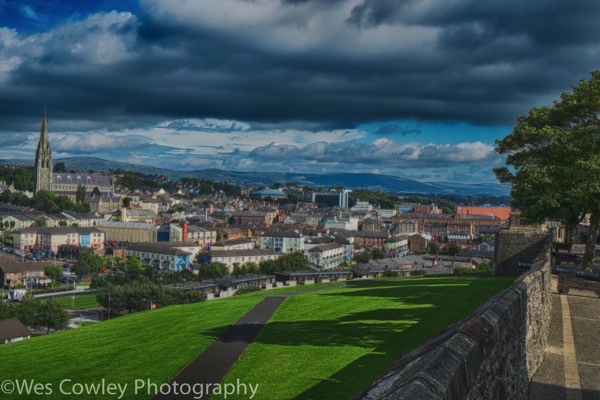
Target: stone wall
516	248
490	355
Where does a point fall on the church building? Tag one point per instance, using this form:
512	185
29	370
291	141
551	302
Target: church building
64	183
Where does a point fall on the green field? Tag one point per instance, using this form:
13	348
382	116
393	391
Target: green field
82	302
327	344
334	344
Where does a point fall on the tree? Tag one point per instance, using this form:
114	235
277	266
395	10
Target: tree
213	270
54	272
452	249
96	191
377	254
88	264
554	165
433	247
28	311
53	315
44	200
231	220
62	222
80	194
59	167
40	221
126	201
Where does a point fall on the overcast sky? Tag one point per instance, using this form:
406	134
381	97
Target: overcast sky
414	88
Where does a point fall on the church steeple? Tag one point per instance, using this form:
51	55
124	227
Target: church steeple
43	160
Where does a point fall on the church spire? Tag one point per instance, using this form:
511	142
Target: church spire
43	160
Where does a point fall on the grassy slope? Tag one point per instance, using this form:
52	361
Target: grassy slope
153	345
148	345
334	344
82	302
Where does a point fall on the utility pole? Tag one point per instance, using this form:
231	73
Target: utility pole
108	317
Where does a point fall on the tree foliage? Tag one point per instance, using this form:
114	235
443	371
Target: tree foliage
88	264
54	272
554	158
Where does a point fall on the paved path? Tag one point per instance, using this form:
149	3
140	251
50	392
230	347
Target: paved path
571	367
216	360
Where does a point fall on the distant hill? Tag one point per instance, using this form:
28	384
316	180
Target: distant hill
388	183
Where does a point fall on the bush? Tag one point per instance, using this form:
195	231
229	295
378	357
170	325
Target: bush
248	289
463	270
485	266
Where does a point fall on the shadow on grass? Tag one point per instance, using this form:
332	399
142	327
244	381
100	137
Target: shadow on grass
431	305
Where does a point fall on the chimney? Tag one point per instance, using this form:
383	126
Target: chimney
184	234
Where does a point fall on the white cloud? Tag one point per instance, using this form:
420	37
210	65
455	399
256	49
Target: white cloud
94	142
383	151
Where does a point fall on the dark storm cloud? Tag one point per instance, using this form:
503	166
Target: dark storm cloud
330	64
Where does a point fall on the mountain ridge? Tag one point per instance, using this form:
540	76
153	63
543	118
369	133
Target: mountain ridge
388	183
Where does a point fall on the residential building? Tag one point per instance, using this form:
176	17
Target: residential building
50	238
282	241
405	227
370	239
427	209
343	221
362	207
240	257
386	214
249	217
18	221
28	274
192	233
233	244
372	225
13	330
396	246
406	207
326	256
166	256
418	242
438	230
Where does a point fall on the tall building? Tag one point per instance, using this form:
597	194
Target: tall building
64	183
43	161
332	199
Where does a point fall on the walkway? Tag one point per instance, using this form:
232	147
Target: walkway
216	360
571	367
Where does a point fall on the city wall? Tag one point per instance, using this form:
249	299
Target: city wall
493	353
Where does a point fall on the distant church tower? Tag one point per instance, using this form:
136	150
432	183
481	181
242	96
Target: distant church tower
43	161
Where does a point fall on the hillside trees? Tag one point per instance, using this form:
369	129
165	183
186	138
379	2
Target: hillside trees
554	158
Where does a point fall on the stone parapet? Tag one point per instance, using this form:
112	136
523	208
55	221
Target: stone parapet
490	355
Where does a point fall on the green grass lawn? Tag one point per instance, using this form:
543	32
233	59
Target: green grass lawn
148	345
153	345
82	302
327	344
334	344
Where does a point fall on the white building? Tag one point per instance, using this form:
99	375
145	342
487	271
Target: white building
362	207
240	257
233	244
326	256
166	256
282	242
344	222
